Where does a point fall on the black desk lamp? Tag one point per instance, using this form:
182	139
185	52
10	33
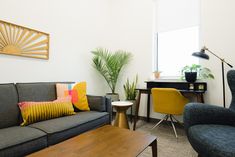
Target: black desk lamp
203	55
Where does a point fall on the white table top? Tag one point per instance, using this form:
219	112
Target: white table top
122	103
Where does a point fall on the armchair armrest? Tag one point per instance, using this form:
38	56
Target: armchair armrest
100	103
197	113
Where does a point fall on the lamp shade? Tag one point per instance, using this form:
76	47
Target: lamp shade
201	54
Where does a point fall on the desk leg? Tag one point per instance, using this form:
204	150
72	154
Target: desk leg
202	99
137	110
154	148
148	108
198	97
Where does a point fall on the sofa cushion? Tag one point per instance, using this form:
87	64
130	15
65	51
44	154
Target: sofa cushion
9	111
62	128
81	103
19	141
38	111
97	103
45	91
65	91
219	140
77	93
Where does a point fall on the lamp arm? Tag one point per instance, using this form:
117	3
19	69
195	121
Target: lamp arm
222	60
228	64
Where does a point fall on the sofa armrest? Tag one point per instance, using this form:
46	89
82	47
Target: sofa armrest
197	113
109	109
101	104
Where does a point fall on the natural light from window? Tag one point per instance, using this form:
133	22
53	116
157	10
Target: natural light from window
174	50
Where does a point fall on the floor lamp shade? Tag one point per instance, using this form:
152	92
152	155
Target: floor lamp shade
203	55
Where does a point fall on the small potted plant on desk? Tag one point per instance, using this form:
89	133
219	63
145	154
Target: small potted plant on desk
194	72
109	65
157	74
131	92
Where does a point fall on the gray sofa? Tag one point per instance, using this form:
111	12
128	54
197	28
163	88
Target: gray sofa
20	141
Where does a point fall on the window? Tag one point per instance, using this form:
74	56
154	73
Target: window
176	27
174	50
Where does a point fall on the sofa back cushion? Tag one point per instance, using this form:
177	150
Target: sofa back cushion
9	110
37	91
45	91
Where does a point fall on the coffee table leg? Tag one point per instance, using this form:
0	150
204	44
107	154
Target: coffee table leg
154	148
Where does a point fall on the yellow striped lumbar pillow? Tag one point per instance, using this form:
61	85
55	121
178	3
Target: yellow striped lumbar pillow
38	111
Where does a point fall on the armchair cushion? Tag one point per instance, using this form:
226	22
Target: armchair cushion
213	140
196	113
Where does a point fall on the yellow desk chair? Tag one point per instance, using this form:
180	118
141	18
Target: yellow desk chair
168	101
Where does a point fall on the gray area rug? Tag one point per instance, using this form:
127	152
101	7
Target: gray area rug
168	145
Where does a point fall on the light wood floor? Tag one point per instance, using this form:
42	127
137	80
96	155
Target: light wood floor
168	145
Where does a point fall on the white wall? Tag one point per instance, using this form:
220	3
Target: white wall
132	23
76	27
218	34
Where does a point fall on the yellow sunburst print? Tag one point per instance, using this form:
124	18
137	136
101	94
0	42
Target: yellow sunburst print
22	41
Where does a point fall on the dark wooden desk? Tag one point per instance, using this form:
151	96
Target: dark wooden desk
197	89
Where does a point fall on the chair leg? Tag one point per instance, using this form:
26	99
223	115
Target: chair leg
166	116
177	121
166	119
173	126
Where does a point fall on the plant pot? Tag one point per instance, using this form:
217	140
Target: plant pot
157	74
133	106
190	76
112	96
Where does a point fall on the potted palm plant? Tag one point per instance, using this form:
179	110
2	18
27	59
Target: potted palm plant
109	65
194	72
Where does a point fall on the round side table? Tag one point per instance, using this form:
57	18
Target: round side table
121	118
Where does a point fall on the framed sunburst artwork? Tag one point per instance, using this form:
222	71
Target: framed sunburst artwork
22	41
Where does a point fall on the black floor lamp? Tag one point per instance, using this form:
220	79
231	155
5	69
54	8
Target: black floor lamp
203	55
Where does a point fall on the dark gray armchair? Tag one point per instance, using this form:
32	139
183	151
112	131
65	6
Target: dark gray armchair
211	129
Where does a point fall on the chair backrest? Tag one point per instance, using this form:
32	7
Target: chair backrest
168	101
231	83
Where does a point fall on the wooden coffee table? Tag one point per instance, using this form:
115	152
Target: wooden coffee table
106	141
